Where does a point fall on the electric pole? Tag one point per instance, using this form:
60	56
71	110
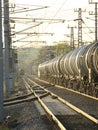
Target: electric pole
72	37
96	32
1	67
80	43
7	46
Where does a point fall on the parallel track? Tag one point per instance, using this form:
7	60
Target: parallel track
81	112
39	92
51	116
95	98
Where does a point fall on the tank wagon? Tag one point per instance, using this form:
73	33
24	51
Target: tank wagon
76	70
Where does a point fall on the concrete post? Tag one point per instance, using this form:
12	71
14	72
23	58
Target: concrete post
1	67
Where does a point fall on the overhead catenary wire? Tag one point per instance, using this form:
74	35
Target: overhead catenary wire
88	35
87	26
27	28
32	42
57	12
45	19
22	5
29	10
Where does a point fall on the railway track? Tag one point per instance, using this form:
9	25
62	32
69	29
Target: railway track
90	121
50	115
22	98
62	87
62	113
87	103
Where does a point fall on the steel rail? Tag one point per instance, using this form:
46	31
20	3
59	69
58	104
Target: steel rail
58	86
21	99
70	105
18	97
48	111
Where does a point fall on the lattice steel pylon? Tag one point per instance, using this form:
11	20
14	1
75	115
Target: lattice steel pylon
72	37
96	16
79	27
80	43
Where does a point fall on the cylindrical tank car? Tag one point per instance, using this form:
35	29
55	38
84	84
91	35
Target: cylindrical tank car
77	69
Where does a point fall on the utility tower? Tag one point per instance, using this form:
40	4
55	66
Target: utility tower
72	45
1	67
7	41
96	31
80	43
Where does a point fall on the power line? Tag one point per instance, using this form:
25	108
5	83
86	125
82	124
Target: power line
57	12
36	19
60	8
27	5
31	42
34	33
27	28
29	10
88	35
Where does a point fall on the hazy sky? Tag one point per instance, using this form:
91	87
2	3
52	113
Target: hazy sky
57	9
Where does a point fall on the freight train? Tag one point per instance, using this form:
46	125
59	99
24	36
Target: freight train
77	69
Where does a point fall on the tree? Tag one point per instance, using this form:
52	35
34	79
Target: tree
62	48
46	53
